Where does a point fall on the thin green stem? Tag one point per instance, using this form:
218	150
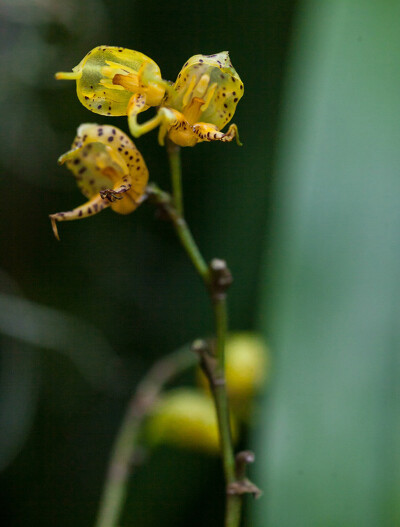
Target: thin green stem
174	157
126	444
233	502
233	510
218	298
190	246
163	200
219	389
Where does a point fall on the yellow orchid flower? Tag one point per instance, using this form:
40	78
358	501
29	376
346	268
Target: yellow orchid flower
109	170
108	76
202	101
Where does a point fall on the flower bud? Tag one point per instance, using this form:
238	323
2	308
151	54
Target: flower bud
186	418
247	364
246	370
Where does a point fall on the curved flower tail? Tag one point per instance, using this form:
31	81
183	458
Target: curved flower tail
91	207
208	132
164	118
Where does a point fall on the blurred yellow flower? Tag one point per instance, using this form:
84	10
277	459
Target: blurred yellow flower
186	418
247	365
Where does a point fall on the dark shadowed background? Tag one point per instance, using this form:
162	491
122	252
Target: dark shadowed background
306	213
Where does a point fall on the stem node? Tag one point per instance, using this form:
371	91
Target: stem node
220	279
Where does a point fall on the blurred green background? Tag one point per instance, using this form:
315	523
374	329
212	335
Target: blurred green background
306	213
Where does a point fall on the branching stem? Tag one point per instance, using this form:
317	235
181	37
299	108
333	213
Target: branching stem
164	201
126	444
